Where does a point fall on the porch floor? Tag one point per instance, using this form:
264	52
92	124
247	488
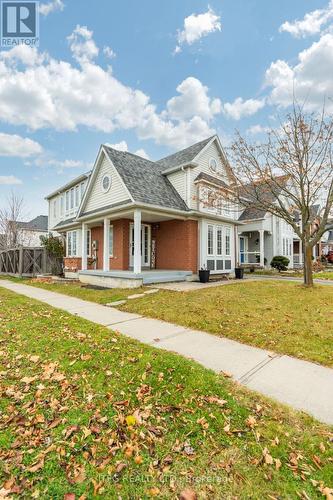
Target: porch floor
147	277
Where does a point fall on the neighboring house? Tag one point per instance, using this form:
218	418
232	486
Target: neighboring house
131	221
28	233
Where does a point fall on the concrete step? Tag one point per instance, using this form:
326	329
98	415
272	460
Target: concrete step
149	280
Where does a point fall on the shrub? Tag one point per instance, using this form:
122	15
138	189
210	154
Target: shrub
280	263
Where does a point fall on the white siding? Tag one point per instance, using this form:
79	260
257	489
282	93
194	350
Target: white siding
178	180
211	152
97	198
54	220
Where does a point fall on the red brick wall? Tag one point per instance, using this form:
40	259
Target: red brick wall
120	259
73	264
177	245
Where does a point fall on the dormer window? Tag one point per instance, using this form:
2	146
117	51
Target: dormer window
213	165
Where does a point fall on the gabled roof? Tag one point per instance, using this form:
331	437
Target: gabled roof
257	191
144	180
69	184
184	156
211	179
39	223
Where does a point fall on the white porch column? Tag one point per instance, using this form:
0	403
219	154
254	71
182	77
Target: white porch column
237	254
300	252
84	263
106	243
262	247
137	241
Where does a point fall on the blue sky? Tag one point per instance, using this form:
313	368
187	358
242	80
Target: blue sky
110	72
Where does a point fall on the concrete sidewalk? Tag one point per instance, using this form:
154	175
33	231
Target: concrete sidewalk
303	385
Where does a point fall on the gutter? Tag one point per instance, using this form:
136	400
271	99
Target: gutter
179	167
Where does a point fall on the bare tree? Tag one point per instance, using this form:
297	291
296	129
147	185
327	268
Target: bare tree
10	216
288	174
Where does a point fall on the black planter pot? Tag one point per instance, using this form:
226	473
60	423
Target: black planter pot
239	273
204	275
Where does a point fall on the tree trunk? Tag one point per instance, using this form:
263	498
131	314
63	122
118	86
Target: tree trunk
308	274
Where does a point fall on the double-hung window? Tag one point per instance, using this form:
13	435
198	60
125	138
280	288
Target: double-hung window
77	195
72	198
227	241
67	201
210	240
72	244
219	240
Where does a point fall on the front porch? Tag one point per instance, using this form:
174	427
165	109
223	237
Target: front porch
132	248
129	279
254	248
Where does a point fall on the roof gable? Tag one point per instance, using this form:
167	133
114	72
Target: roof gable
144	180
184	156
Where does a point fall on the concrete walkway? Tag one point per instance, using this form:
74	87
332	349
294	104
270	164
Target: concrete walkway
303	385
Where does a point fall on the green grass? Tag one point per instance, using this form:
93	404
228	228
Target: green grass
68	386
281	316
76	289
322	275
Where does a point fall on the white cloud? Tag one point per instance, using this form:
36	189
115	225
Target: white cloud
257	129
15	145
310	79
82	44
46	8
109	52
193	100
311	24
9	180
45	161
240	108
56	94
141	152
197	26
122	146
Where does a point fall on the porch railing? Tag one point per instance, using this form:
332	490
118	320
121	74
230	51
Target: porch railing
249	257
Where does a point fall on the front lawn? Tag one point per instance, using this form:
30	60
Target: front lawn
85	411
76	289
281	316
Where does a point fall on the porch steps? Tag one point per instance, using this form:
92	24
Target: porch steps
165	277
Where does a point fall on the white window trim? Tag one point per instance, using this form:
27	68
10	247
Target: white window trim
213	233
70	233
106	176
212	159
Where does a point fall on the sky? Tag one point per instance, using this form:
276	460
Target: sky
153	77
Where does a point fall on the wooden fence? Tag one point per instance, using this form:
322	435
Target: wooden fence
28	261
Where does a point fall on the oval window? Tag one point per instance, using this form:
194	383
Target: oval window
106	183
213	164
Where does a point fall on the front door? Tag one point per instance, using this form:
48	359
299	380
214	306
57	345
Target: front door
243	249
145	245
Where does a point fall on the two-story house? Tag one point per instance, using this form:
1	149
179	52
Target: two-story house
132	221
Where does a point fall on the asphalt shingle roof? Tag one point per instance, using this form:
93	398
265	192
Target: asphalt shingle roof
210	178
39	223
184	156
263	192
144	180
